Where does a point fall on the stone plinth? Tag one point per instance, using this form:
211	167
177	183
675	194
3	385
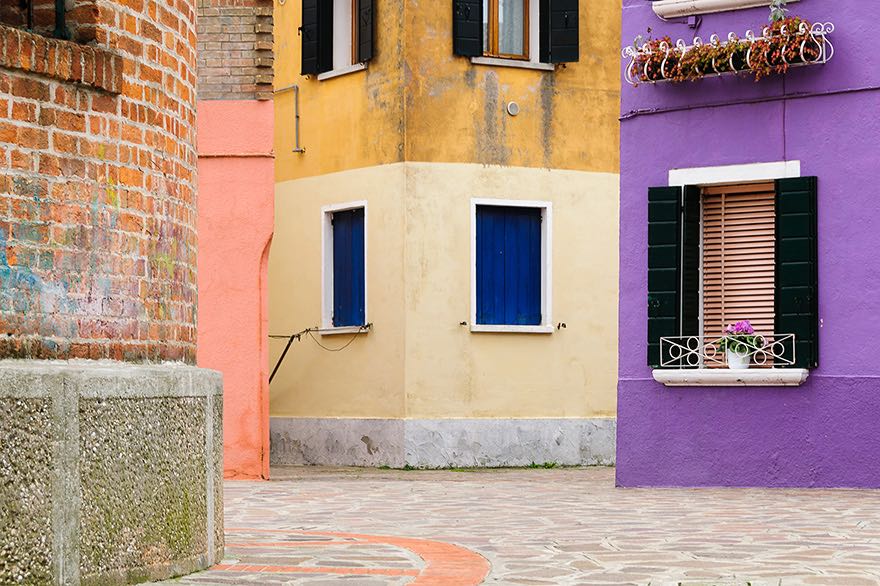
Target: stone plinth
110	473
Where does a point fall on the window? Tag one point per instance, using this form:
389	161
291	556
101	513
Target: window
344	281
506	28
724	253
337	36
533	31
739	257
511	283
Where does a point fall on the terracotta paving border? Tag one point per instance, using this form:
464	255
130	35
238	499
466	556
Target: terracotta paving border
445	563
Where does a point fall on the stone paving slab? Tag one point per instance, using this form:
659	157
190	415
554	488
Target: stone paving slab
539	527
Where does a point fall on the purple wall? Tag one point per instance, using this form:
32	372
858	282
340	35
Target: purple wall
826	432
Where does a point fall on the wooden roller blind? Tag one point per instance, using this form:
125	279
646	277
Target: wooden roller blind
739	257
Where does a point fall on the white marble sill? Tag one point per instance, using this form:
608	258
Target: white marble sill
544	329
516	63
723	377
331	331
341	71
678	8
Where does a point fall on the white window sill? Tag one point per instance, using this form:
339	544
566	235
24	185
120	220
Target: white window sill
723	377
677	8
513	63
331	331
342	71
548	329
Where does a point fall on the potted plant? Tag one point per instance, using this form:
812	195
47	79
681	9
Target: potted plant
739	341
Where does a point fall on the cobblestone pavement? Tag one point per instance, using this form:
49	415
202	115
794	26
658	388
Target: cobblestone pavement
554	527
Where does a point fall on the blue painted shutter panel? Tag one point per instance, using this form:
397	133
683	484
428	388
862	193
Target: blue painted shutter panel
508	265
348	268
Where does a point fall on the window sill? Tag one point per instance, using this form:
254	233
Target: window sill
677	8
342	71
477	328
723	377
513	63
332	331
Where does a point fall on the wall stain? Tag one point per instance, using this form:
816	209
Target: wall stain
548	93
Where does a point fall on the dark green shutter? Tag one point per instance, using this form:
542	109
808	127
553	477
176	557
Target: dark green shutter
325	35
365	10
467	27
664	267
559	31
317	36
797	266
691	261
309	34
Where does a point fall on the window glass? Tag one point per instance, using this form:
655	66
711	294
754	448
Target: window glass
511	27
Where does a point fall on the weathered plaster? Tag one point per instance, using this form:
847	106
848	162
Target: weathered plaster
235	223
442	443
417	101
418	361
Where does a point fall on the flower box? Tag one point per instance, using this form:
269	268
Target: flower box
791	42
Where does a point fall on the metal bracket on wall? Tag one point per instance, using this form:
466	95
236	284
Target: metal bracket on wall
295	88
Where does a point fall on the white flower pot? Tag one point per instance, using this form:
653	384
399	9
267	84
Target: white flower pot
737	361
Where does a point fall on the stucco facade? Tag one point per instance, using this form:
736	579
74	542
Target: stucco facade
418	135
235	122
821	121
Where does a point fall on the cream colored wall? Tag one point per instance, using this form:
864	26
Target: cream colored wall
366	379
418	362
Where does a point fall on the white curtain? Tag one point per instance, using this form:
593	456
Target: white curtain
511	25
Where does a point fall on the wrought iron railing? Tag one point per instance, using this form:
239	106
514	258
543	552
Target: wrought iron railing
771	351
814	48
60	30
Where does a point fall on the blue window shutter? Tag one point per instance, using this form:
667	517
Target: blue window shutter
348	268
508	265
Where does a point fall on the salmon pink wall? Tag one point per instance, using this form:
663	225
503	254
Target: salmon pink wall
235	208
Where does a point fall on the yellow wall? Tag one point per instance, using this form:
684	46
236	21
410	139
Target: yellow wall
418	102
417	135
418	362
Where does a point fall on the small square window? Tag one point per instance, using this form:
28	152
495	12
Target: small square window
511	269
345	299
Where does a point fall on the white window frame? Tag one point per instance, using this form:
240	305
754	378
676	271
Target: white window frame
343	25
546	325
709	377
327	327
534	60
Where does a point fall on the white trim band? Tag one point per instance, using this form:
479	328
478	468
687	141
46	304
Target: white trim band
735	173
721	377
677	8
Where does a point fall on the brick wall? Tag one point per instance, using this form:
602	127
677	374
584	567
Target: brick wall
235	49
81	17
97	196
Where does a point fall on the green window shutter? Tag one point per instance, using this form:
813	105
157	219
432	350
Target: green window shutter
365	28
317	36
797	266
690	278
467	27
664	267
